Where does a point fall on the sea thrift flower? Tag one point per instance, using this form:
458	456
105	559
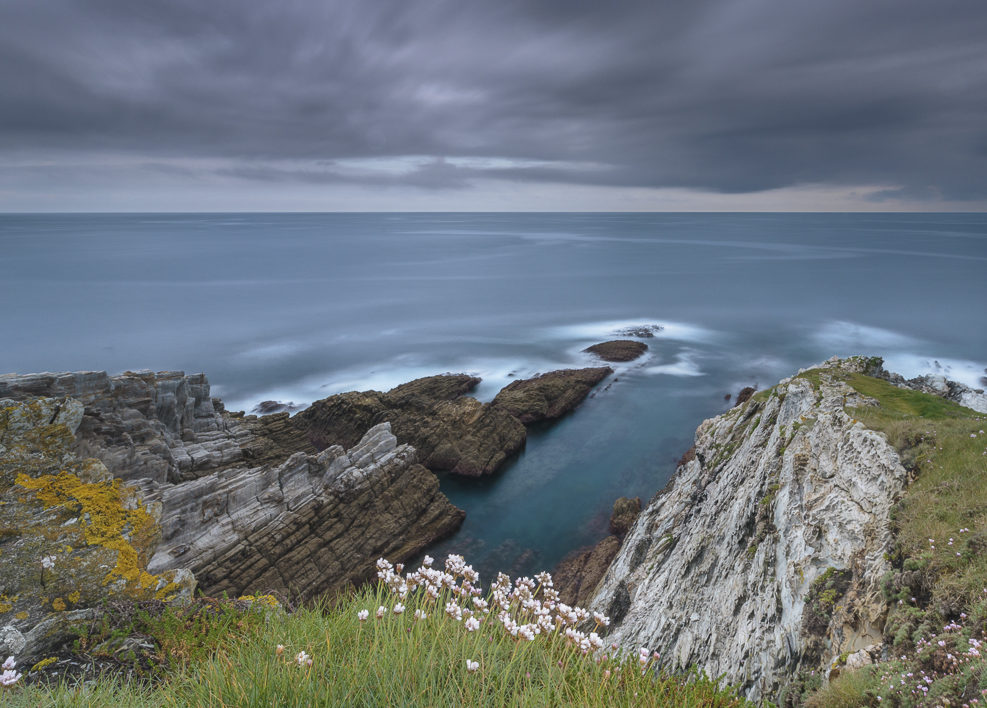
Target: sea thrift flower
381	611
279	650
398	608
48	562
362	615
472	624
9	677
472	666
419	615
302	658
427	561
9	664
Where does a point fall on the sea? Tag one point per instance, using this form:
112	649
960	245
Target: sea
296	307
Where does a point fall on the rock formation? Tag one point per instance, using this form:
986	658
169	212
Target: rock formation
308	526
451	431
128	483
579	573
764	554
550	395
939	385
618	350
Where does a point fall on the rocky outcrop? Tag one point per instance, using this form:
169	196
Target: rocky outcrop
141	425
71	536
764	554
452	432
579	573
308	526
129	483
550	395
939	385
618	350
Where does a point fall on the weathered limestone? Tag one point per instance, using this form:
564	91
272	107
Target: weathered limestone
782	494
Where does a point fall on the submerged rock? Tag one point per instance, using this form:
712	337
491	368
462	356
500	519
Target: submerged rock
268	407
782	498
642	331
618	350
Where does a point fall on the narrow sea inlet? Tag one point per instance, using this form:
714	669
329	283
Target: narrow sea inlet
296	307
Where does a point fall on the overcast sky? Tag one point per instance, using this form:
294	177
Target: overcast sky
325	105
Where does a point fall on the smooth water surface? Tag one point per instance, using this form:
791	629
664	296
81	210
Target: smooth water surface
295	307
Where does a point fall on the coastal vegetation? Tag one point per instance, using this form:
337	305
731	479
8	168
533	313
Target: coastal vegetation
937	591
431	637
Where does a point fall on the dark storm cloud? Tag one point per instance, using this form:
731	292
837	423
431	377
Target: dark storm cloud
728	95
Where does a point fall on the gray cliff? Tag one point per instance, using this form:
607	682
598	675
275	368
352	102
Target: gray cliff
782	497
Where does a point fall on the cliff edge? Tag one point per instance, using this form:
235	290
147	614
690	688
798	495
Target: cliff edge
767	554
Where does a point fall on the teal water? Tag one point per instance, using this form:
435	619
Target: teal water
295	307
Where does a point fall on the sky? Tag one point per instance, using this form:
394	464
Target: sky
503	105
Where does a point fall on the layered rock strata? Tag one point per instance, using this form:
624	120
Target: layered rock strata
128	483
308	526
786	499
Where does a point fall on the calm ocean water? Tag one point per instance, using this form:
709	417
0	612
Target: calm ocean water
296	307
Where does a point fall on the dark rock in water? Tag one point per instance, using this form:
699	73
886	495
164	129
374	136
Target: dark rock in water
644	331
550	395
618	350
577	575
625	513
268	407
727	397
745	393
452	432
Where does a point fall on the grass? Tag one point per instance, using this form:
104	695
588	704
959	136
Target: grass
937	592
394	659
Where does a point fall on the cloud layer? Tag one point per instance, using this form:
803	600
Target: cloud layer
442	98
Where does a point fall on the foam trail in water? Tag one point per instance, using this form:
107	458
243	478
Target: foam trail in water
847	338
684	365
610	329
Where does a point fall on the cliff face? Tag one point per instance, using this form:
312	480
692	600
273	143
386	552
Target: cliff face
765	553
